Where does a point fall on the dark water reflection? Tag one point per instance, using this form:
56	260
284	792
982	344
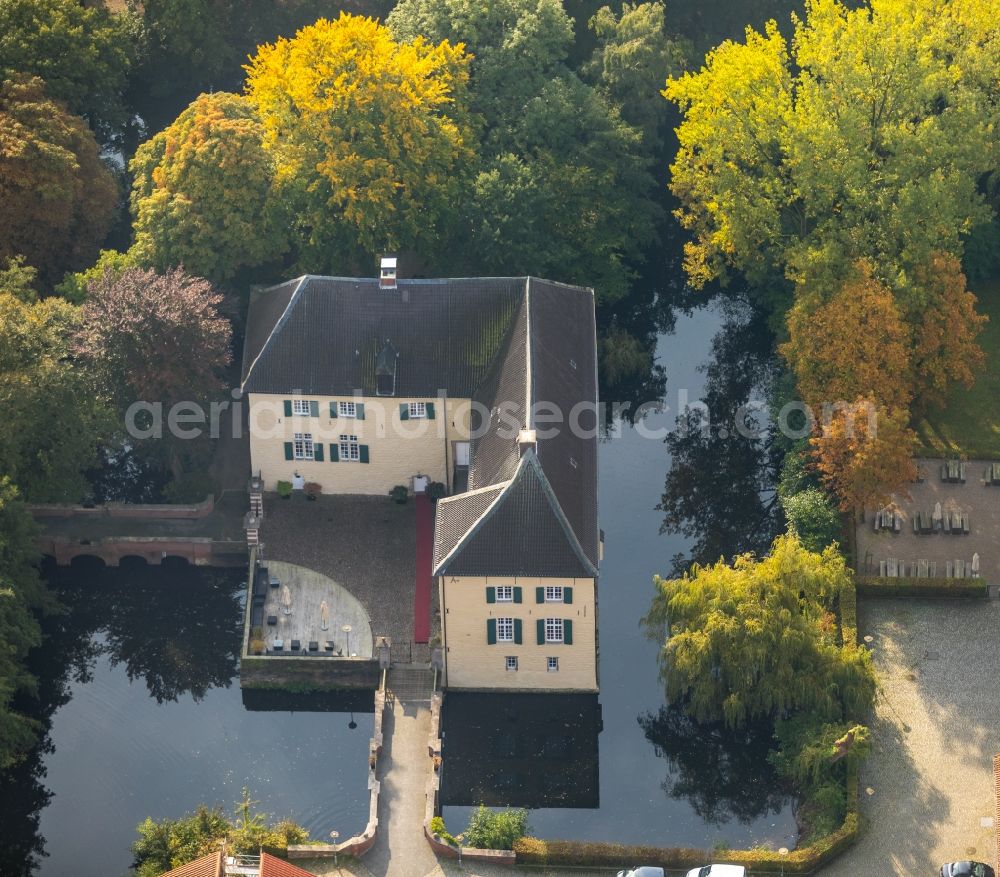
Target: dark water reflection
662	781
139	694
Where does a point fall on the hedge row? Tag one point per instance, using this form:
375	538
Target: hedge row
875	586
533	851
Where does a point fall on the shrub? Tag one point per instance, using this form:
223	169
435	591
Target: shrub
496	829
399	494
435	490
814	516
874	586
438	828
312	489
284	489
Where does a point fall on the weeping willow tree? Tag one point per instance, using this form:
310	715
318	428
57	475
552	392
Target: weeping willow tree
757	639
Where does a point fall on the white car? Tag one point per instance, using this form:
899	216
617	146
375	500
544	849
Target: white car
643	871
718	871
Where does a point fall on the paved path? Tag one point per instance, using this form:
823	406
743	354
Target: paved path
934	735
425	548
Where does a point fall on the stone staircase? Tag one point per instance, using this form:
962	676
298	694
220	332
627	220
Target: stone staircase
410	683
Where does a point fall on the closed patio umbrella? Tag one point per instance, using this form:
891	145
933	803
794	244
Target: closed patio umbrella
975	563
286	600
324	614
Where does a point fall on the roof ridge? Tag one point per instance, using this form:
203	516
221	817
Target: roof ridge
292	301
502	486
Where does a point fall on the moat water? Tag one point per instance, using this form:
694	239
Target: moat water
139	690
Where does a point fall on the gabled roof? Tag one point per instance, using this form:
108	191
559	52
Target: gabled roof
272	866
523	532
206	866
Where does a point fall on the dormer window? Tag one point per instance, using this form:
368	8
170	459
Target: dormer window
385	371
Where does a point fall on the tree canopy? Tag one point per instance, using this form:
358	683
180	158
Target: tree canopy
864	138
755	639
82	52
202	192
371	137
57	197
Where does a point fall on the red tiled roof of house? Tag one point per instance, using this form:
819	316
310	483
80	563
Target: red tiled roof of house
272	866
206	866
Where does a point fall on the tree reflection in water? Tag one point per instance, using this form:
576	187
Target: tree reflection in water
719	490
178	629
723	774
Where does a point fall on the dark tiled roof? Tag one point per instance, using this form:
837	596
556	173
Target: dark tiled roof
327	340
564	372
524	533
456	514
206	866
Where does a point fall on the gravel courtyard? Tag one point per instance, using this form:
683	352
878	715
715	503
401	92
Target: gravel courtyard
935	733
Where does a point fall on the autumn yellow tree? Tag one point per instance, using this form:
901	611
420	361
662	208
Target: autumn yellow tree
855	343
945	350
371	137
202	192
57	197
864	452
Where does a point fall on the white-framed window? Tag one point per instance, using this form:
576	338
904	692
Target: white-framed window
505	630
553	630
350	450
300	406
302	445
347	409
553	594
511	661
505	593
418	410
553	665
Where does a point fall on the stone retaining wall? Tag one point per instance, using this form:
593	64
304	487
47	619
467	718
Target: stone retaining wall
431	803
318	673
360	843
125	510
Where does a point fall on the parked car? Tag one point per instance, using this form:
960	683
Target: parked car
966	869
642	871
718	871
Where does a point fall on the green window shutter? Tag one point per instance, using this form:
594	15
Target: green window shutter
360	409
430	410
540	627
313	408
517	595
404	411
539	595
334	453
491	631
334	410
318	452
289	453
567	632
567	595
518	634
363	453
288	407
491	594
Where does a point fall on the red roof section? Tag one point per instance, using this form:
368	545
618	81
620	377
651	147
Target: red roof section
271	866
206	866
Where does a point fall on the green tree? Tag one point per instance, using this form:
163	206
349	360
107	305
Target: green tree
202	192
82	52
53	419
21	595
865	139
57	197
634	57
496	829
755	639
814	517
371	138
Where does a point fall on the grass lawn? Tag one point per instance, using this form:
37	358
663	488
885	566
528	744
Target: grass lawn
970	424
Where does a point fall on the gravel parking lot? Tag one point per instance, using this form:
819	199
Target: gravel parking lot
935	732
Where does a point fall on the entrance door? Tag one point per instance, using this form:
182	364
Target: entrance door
461	453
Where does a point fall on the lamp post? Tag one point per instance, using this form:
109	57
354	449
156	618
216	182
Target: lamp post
783	852
334	835
347	630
